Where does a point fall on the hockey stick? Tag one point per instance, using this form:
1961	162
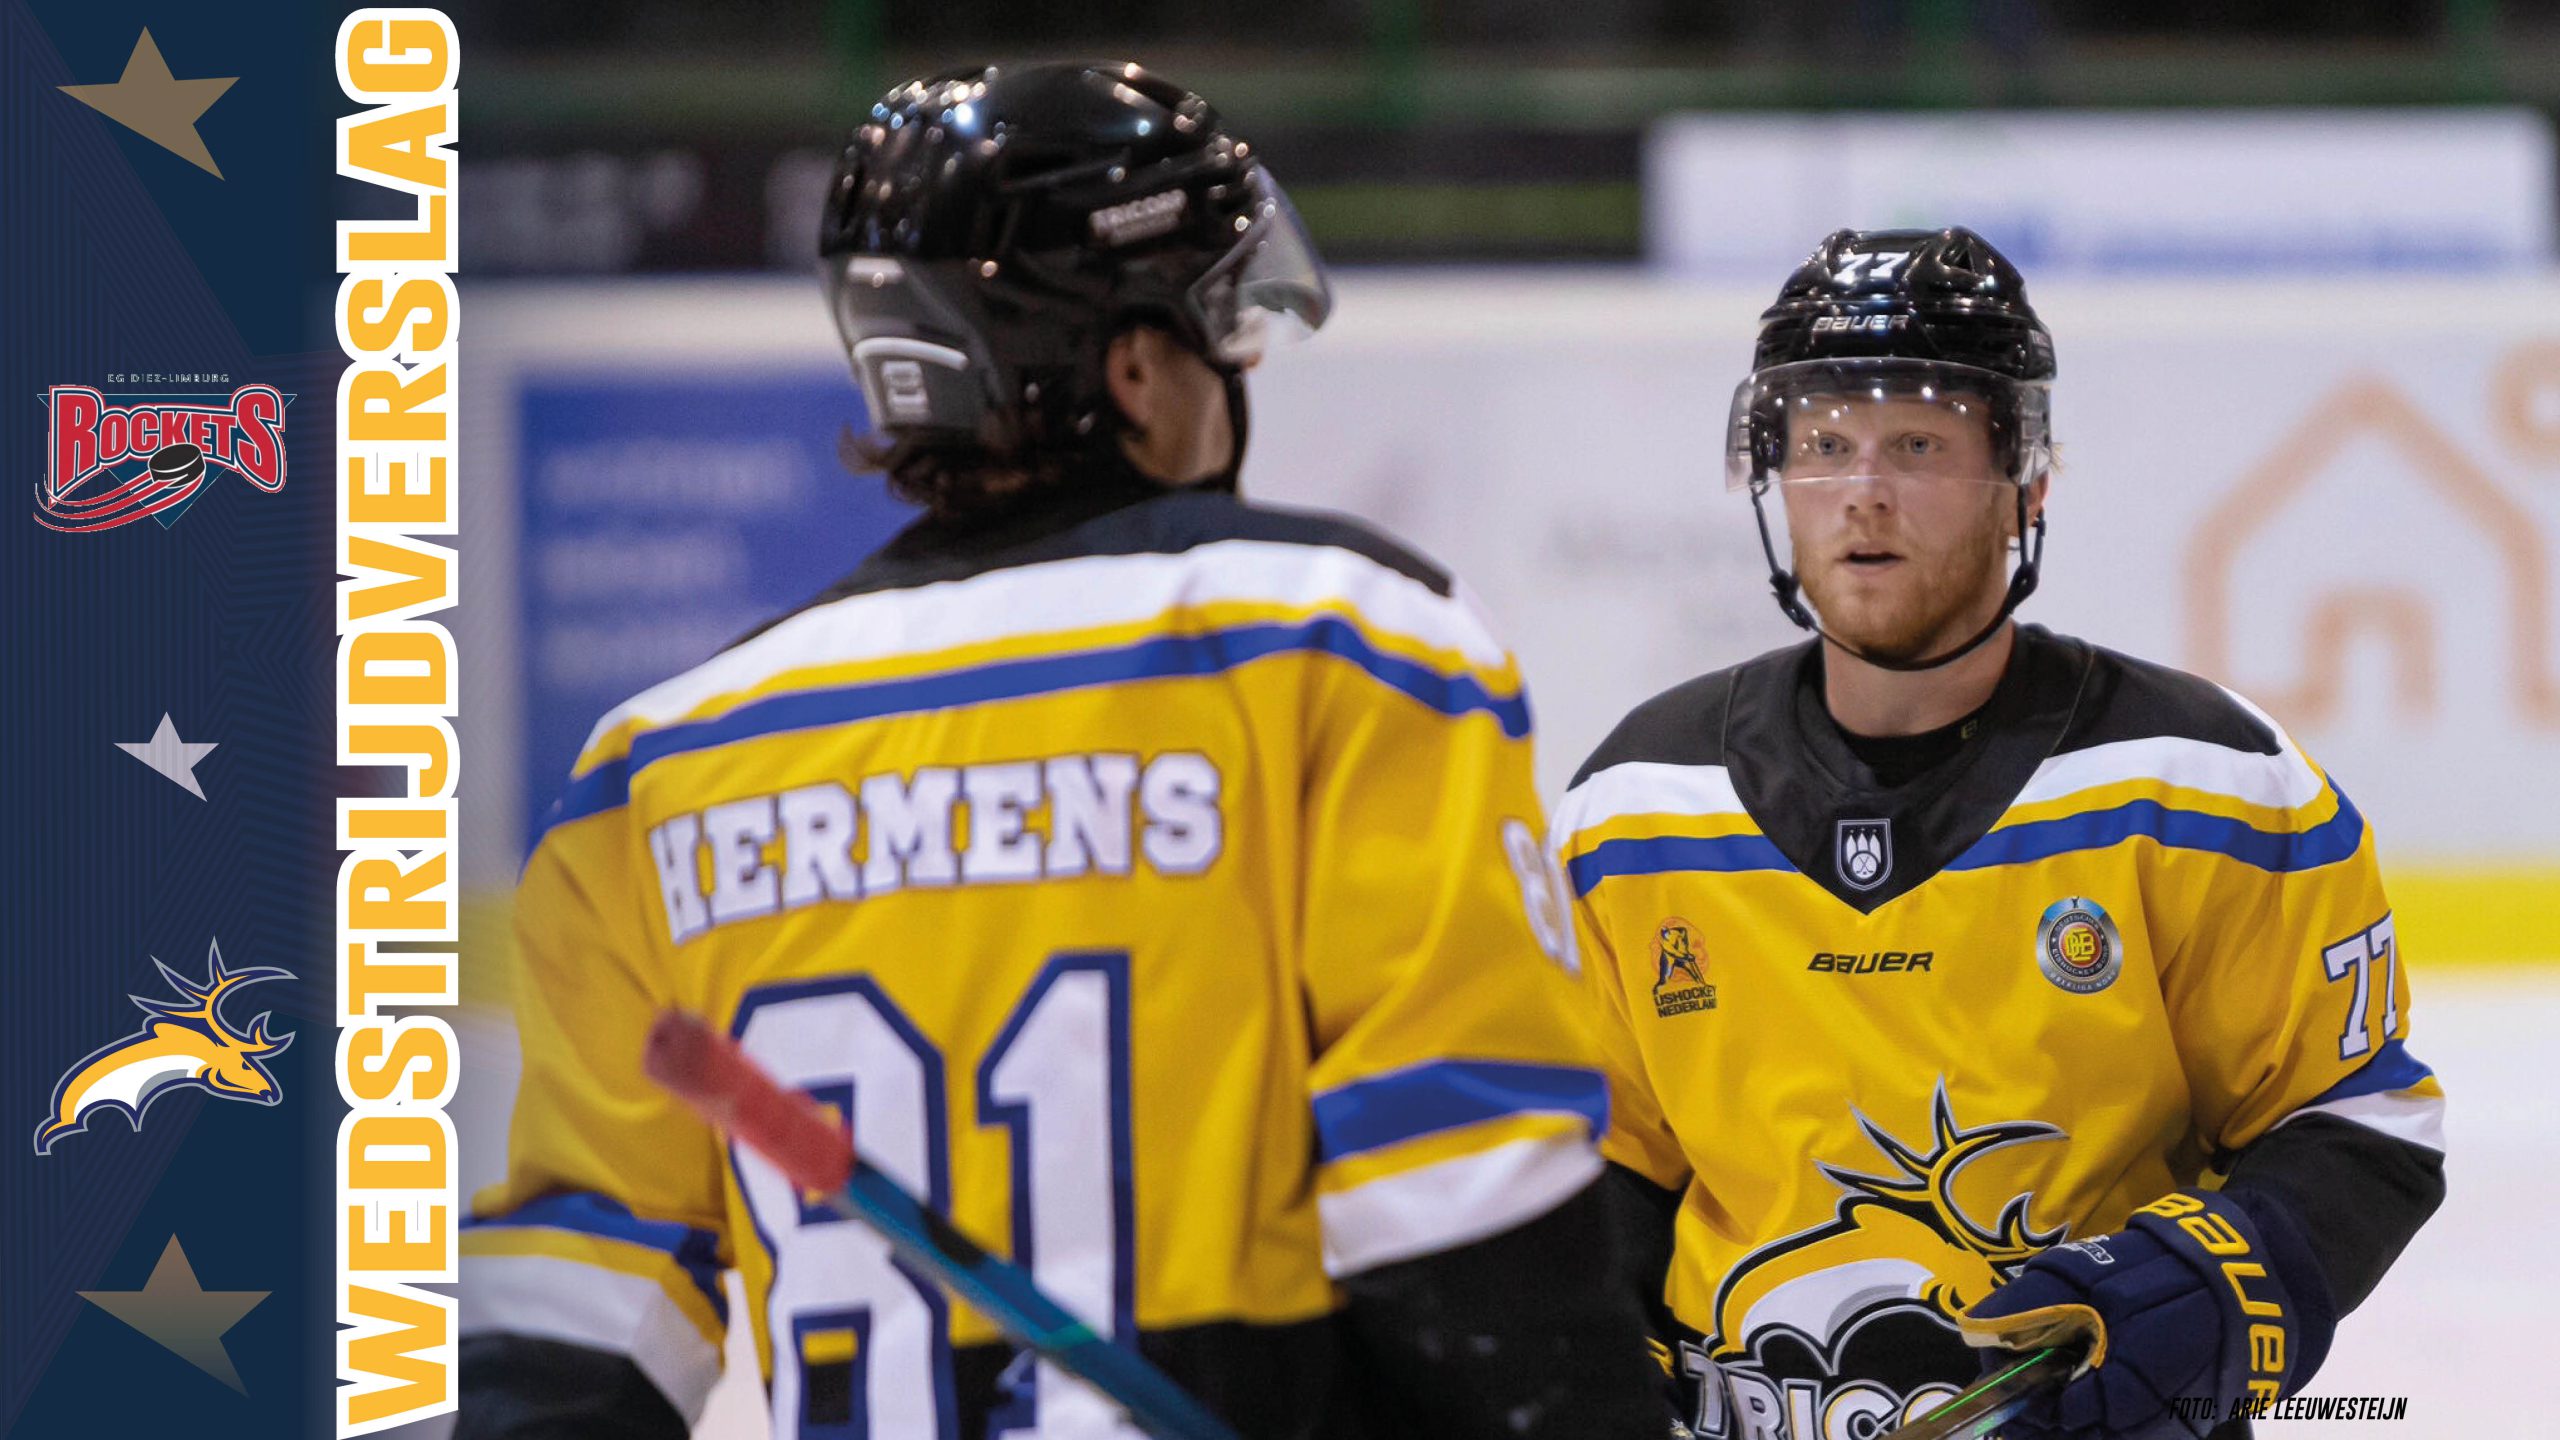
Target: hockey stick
709	1072
1980	1411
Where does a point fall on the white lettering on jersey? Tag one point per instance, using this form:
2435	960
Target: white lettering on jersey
1089	813
910	829
742	885
999	797
1179	794
679	876
1056	818
817	845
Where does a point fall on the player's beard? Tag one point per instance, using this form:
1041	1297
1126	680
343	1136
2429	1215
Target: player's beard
1937	599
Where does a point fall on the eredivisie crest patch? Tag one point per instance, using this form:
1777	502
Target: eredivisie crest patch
1863	851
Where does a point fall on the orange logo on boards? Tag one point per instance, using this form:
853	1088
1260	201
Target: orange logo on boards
2526	409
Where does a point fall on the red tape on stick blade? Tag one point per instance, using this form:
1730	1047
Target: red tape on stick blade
707	1070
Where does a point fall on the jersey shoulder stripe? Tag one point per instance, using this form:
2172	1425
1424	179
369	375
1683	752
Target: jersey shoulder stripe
582	1269
2394	1092
1163	523
1656	795
2159	754
694	1252
1072	623
1645	787
1442	1095
1720	855
2280	852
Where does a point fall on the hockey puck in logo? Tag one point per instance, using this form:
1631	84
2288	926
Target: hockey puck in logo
176	466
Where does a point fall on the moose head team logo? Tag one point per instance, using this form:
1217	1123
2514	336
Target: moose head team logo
185	1043
1853	1319
175	441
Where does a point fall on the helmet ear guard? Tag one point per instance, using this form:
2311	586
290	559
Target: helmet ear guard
990	231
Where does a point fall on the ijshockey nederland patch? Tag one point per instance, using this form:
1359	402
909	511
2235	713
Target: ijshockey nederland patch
1863	850
1679	970
175	439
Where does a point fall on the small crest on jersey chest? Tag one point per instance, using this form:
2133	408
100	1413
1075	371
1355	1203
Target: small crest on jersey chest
1863	851
1679	970
2077	945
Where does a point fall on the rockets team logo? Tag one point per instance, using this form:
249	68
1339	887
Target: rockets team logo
109	464
185	1043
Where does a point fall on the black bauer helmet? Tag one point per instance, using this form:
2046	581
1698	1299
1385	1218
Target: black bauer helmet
989	230
1936	316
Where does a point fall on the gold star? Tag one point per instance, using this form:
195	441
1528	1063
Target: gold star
157	105
182	1315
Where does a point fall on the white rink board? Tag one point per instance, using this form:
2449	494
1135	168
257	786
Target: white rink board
2273	486
2383	460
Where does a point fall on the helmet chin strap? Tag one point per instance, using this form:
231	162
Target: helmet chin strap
1790	591
1239	427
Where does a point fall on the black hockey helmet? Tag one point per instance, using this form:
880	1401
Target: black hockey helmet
1924	294
1938	316
1901	309
989	230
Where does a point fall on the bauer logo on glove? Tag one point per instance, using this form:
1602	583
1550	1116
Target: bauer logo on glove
2187	1301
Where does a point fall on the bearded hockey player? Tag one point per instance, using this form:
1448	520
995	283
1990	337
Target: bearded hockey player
1963	982
1154	880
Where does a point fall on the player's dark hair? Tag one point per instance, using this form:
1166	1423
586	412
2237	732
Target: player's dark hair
951	482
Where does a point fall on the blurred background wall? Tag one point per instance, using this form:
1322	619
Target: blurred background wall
2298	258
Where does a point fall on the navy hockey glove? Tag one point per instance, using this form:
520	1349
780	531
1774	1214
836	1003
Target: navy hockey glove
2195	1300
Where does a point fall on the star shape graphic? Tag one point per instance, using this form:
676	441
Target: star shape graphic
182	1315
169	755
157	105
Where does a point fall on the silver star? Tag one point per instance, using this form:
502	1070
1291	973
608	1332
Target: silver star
169	755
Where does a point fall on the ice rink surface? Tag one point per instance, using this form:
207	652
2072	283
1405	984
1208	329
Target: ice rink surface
2459	1326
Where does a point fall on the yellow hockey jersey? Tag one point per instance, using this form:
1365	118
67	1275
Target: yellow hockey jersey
1887	1043
1163	898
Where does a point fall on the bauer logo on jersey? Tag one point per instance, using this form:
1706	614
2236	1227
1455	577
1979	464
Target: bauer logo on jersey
185	1044
1864	851
1679	970
2077	946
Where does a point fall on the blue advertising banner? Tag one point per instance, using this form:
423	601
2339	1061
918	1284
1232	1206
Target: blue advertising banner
663	516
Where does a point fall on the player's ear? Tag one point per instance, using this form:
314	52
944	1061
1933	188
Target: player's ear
1133	366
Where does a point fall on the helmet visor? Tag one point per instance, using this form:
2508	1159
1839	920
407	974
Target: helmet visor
1270	288
1814	421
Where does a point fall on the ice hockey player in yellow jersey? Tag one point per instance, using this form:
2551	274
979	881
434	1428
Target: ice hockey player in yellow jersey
1961	981
1154	880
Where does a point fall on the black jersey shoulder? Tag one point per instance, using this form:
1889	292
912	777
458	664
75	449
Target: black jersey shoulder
2131	699
1686	724
1108	519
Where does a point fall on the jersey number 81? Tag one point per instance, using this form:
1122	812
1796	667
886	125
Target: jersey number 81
861	1344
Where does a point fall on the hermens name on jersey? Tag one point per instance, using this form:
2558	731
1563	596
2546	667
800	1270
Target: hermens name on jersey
1019	820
